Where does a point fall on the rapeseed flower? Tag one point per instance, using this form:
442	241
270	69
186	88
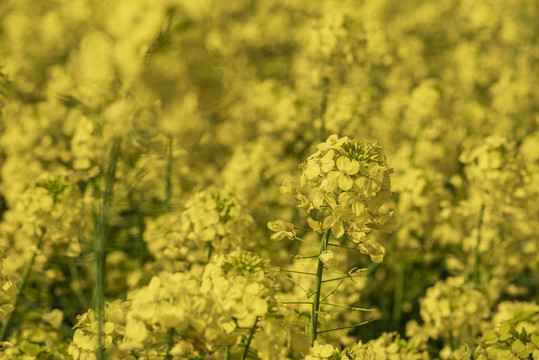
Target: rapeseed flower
342	176
283	229
320	352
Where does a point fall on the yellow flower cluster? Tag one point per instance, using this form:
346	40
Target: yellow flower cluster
46	339
451	309
212	221
389	346
84	341
348	183
358	351
7	291
201	311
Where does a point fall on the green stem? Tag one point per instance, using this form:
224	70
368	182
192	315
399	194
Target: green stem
168	178
297	272
249	339
323	107
477	254
331	292
170	343
24	281
318	286
335	279
76	279
301	257
101	228
297	302
298	285
336	272
398	295
307	242
227	352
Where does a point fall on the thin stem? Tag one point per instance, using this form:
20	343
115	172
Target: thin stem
345	327
318	286
297	272
168	178
323	107
300	257
297	302
298	285
76	279
252	354
335	272
22	285
210	250
477	252
339	278
249	339
101	228
307	242
398	295
346	307
170	343
331	292
227	352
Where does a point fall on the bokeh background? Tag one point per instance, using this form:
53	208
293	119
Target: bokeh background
168	127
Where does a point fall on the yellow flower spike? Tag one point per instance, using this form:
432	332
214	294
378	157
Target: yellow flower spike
348	182
283	229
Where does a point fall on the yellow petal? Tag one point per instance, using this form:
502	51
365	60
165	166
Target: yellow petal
345	183
329	221
338	229
315	225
